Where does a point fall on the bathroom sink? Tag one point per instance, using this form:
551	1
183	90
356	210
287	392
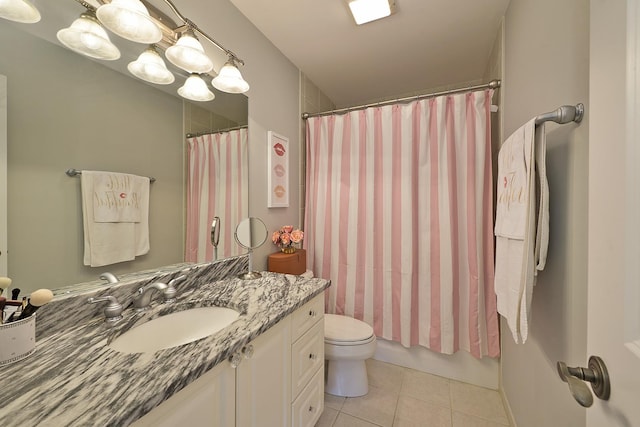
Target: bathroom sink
174	329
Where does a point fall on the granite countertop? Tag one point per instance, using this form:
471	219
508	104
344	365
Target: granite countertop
75	379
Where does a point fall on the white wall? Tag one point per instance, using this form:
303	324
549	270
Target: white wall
547	65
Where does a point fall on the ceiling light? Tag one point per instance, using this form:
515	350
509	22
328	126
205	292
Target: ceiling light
129	19
189	55
195	89
229	79
364	11
19	11
87	37
151	68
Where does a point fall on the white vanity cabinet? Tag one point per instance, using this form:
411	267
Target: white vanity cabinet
279	381
282	382
208	401
307	363
263	395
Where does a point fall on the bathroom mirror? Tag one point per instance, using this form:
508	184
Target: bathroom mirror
67	111
251	233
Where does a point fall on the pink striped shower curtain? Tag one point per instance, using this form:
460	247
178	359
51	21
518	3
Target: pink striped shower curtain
217	185
399	217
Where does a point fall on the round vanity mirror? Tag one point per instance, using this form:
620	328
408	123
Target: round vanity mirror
251	233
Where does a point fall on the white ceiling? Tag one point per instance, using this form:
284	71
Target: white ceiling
426	44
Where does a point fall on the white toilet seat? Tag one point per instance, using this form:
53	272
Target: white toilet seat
346	330
349	343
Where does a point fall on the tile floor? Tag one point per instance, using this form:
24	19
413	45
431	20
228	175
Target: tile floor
402	397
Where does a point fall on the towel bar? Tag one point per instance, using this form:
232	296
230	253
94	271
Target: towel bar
76	172
564	114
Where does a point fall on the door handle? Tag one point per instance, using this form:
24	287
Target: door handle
596	374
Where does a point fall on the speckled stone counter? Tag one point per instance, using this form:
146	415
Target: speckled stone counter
75	379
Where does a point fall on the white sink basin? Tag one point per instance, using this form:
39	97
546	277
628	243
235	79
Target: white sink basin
174	329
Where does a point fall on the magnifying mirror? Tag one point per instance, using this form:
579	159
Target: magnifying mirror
251	233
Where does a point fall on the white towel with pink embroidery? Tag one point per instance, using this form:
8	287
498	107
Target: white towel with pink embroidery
521	245
116	241
118	197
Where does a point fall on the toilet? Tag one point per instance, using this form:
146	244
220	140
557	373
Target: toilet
348	342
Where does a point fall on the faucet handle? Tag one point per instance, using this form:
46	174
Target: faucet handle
169	294
113	310
178	279
109	277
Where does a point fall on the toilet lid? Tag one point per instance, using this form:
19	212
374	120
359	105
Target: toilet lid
344	328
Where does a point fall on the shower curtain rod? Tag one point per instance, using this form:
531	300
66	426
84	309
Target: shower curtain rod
191	135
493	84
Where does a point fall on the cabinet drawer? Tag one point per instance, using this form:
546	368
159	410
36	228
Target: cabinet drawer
306	316
307	355
308	407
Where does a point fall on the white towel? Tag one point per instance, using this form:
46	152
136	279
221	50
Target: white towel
117	197
112	242
521	246
542	233
514	181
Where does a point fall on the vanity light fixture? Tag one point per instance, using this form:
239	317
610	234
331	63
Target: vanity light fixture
19	11
229	78
364	11
140	21
129	19
195	89
151	68
87	37
189	55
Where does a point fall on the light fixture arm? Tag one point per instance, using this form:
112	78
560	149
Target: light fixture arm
86	5
192	25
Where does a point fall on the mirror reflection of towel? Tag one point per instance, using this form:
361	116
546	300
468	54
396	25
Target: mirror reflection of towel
118	197
112	242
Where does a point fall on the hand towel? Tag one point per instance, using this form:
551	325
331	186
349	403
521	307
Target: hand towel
536	253
521	247
542	233
117	197
112	242
514	180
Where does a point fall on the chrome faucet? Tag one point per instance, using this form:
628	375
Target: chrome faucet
109	277
142	300
113	310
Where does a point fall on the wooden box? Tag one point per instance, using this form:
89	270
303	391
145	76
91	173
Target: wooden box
295	263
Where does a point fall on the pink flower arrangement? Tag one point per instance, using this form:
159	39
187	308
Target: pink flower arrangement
286	236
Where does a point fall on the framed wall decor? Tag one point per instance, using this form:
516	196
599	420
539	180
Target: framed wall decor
278	170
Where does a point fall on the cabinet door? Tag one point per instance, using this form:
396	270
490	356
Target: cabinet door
263	392
208	401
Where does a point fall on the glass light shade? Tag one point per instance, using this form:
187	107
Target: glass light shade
364	11
189	55
230	80
87	37
195	89
19	11
151	68
130	20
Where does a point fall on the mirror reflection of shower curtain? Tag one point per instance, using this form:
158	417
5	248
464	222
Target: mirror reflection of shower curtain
399	216
217	185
